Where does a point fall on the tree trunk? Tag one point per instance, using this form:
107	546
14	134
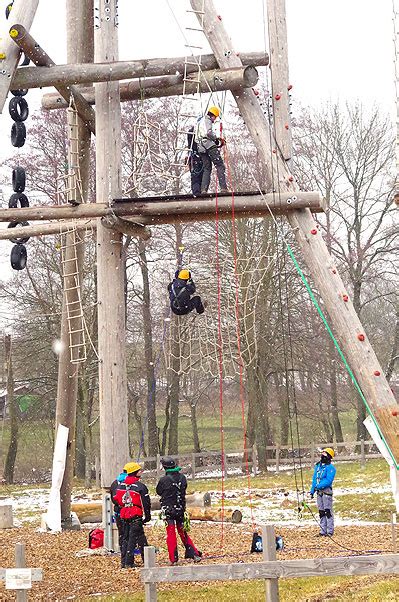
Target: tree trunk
13	414
283	404
194	425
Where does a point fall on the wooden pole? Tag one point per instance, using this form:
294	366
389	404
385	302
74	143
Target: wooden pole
123	226
23	11
49	228
170	85
359	353
32	50
150	589
110	274
87	73
269	553
80	40
20	563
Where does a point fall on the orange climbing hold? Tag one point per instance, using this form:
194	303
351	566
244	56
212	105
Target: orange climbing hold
395	412
361	337
377	373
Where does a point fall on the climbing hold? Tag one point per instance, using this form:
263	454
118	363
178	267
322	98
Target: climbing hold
274	151
13	32
377	373
361	337
291	179
289	87
255	91
345	298
395	412
2	56
278	96
287	127
219	17
334	271
314	231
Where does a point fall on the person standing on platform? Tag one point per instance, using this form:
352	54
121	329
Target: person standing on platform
208	146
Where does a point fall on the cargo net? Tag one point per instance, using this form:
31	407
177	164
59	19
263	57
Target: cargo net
192	342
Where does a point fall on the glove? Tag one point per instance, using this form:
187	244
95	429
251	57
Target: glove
311	495
222	142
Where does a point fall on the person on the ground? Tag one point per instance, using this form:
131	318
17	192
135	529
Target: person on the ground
194	162
208	146
172	490
180	291
135	509
117	509
323	478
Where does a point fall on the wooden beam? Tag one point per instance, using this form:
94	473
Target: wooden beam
23	11
88	73
344	319
169	85
31	48
47	229
125	227
245	203
114	444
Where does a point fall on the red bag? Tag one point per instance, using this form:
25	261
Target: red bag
96	538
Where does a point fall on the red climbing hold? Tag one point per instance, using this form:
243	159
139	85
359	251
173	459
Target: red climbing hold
274	151
314	231
287	127
289	87
361	337
345	298
377	373
255	91
219	17
334	271
395	412
278	96
291	179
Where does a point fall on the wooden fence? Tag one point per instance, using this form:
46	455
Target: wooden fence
270	569
201	465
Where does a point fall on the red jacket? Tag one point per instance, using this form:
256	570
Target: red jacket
133	498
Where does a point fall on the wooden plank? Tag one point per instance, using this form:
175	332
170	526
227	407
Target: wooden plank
23	11
47	229
86	73
20	563
125	227
269	554
33	50
308	567
150	589
37	574
170	85
110	268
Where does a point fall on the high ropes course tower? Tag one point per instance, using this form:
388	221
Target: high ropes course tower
92	53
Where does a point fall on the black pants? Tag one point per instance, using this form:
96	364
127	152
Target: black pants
133	537
196	169
213	156
119	525
194	303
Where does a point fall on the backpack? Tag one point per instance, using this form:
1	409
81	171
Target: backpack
177	292
96	538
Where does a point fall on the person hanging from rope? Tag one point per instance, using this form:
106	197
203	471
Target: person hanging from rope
180	291
323	478
208	147
135	510
194	163
171	488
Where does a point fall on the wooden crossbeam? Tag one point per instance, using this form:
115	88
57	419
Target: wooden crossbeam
31	48
88	73
170	85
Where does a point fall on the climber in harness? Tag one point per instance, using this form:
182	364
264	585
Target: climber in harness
194	163
172	490
180	291
208	146
323	477
133	498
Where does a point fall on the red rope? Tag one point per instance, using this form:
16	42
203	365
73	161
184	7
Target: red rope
238	333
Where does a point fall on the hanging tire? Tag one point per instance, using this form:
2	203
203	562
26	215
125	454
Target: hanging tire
18	199
18	179
18	108
18	257
18	134
8	8
19	92
21	240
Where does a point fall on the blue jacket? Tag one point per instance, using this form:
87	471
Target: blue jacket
323	476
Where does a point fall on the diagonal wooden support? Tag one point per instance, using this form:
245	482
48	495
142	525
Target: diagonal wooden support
346	324
37	55
23	11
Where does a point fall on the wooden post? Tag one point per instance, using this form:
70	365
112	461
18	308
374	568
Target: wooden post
23	11
79	18
97	470
359	353
394	534
150	589
362	454
312	453
20	563
277	459
269	553
110	272
193	466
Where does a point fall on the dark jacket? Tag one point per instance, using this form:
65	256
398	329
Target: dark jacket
140	503
114	486
172	490
180	292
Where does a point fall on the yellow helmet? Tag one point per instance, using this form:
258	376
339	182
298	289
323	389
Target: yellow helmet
184	274
131	467
214	111
330	451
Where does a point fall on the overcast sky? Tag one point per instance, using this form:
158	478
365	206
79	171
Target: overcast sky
337	50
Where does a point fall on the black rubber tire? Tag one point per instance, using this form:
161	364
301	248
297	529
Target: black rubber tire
8	9
18	199
18	108
19	92
18	257
18	134
16	240
18	179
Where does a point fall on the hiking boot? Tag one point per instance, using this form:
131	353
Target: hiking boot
321	535
197	558
224	191
173	563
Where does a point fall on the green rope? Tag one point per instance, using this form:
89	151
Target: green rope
338	348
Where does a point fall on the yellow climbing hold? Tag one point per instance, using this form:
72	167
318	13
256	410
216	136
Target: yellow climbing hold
13	33
2	56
